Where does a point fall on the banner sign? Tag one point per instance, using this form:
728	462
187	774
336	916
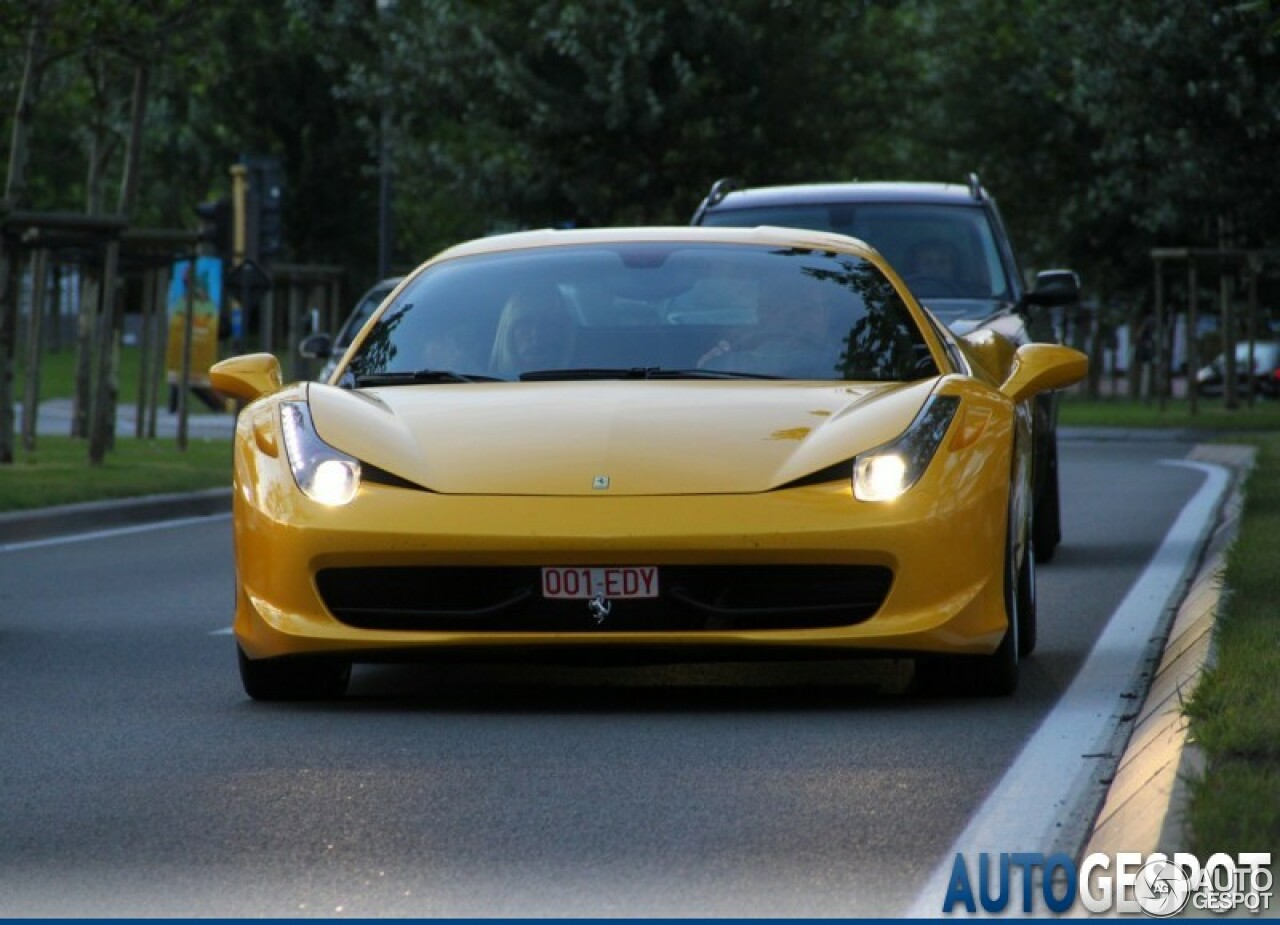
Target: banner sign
206	290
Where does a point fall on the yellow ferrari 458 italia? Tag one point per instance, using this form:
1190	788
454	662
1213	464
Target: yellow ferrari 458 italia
683	442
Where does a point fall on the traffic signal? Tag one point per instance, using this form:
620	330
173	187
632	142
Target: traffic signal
216	218
264	204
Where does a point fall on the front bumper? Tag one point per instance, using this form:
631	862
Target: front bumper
943	544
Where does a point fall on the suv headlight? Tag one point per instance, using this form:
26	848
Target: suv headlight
888	471
326	475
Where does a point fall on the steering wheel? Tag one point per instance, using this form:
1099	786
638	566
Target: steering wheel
938	286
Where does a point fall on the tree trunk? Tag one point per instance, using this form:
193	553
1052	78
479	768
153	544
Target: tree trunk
91	293
103	428
14	194
35	349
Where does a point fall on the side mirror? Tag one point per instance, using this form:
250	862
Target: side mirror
1055	287
247	377
1043	367
317	346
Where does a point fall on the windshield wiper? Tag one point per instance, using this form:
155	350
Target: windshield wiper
419	376
636	372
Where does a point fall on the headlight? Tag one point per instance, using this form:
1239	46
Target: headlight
325	475
888	471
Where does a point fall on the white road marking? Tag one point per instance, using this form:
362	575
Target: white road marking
115	531
1027	809
225	631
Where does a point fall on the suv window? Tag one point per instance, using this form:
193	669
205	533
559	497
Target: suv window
941	251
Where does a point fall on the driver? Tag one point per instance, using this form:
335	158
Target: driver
933	259
791	336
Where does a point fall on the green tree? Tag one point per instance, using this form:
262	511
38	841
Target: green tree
620	112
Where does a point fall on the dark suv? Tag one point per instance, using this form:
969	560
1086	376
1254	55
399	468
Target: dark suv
948	243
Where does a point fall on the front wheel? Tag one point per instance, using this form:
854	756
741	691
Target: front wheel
1047	521
994	675
1027	602
293	678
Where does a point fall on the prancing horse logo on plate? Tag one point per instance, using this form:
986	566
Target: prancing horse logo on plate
599	607
600	483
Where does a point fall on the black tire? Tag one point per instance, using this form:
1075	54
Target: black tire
293	678
1027	618
997	673
1047	522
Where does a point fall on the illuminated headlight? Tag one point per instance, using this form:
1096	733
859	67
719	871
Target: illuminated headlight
325	475
887	472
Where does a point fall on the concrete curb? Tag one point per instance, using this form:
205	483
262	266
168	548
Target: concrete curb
1145	806
44	523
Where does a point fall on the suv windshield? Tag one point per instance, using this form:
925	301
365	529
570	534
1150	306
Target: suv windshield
645	310
941	251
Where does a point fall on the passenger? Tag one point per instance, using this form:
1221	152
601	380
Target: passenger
535	331
444	351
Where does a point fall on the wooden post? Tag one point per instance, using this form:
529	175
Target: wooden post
1251	271
295	330
1157	340
159	346
266	308
101	429
1231	376
144	354
35	346
1192	283
184	374
53	331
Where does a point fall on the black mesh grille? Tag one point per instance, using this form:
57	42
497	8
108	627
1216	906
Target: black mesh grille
692	598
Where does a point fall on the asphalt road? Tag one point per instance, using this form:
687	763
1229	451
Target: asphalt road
136	779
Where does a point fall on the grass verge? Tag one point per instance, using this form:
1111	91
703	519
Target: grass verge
1234	713
1210	417
58	471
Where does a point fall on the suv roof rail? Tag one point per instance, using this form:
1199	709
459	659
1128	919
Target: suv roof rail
975	186
721	188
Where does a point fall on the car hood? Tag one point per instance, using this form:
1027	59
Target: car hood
644	438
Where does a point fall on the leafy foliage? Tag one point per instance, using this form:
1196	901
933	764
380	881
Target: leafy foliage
1104	129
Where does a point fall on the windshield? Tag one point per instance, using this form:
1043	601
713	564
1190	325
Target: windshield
645	310
942	252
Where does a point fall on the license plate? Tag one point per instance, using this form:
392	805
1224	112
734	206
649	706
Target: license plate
614	582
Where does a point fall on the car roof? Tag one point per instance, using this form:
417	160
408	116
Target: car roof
762	235
855	191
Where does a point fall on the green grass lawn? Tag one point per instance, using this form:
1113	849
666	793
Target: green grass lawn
58	374
1235	712
1211	416
58	472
